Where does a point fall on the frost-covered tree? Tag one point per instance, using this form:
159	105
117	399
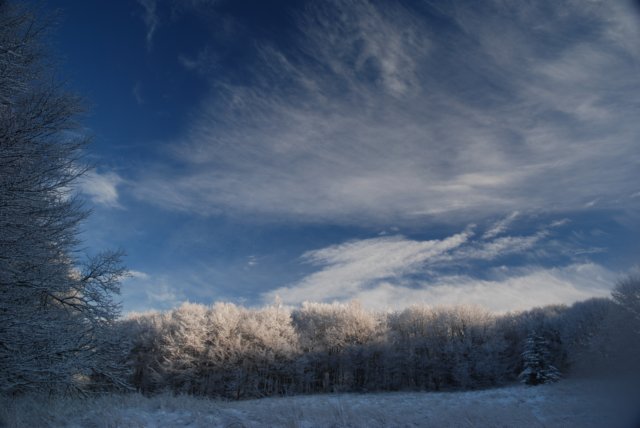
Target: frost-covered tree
444	347
617	343
581	331
331	327
221	350
235	352
627	294
337	339
56	312
538	368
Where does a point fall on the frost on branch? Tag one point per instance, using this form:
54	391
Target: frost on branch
56	313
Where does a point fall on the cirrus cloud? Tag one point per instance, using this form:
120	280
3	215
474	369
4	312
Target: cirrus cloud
102	188
383	113
395	272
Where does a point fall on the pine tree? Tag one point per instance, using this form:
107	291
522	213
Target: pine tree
537	362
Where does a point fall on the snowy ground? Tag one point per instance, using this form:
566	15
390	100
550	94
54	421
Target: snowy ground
566	404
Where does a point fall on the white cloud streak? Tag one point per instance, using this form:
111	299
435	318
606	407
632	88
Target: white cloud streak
396	271
353	265
138	274
510	291
101	188
151	20
137	93
378	115
144	292
500	226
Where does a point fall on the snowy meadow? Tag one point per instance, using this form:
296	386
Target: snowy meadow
575	403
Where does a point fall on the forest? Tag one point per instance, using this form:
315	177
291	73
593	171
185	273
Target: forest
233	352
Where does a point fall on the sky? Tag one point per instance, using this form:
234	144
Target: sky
394	153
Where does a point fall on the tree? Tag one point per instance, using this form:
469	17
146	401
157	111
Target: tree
537	361
627	294
619	339
55	311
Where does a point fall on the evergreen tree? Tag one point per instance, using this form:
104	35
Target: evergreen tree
537	362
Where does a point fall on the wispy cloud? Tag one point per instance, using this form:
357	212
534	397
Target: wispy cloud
498	247
138	274
510	290
204	63
151	20
500	226
382	114
396	272
137	93
143	292
394	265
102	188
560	223
364	268
354	265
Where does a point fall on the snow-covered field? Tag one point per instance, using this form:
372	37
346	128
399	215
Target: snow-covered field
565	404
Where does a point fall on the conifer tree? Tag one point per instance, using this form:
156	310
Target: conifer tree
537	362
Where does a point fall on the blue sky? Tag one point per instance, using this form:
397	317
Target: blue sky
389	152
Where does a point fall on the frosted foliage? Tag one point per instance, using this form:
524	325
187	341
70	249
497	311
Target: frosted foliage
333	327
56	313
627	295
220	350
229	351
458	346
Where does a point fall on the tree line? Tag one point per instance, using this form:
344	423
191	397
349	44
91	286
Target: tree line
234	352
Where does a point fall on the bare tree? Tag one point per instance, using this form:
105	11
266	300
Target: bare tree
627	294
54	309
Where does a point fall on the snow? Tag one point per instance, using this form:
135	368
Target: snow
570	403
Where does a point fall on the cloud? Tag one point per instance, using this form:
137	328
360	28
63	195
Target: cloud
143	292
513	290
102	188
350	266
138	274
500	226
137	93
498	247
252	261
382	114
560	223
403	270
395	272
151	20
204	63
